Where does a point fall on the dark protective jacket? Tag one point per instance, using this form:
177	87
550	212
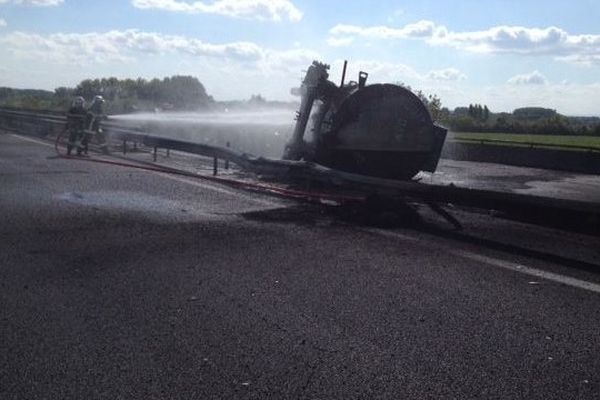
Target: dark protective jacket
94	115
96	108
76	118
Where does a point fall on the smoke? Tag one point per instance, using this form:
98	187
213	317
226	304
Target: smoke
261	133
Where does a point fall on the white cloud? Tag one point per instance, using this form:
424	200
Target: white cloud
451	90
533	78
35	3
228	70
339	42
583	58
551	41
287	61
422	29
379	71
2	23
571	99
447	74
510	39
389	72
274	10
85	48
239	69
88	49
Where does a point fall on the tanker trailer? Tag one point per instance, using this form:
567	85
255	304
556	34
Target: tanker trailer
380	130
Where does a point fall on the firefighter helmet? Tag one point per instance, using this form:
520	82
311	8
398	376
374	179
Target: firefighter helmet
78	101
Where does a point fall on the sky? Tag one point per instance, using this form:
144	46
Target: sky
504	54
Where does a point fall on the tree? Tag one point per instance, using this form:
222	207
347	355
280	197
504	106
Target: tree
434	105
176	92
432	102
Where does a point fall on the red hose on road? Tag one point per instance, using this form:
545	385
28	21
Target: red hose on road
265	188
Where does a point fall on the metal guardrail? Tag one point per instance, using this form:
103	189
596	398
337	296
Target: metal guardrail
532	145
302	171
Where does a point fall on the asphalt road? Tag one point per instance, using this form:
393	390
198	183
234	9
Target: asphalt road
510	178
121	284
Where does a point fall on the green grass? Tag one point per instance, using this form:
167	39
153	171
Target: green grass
526	140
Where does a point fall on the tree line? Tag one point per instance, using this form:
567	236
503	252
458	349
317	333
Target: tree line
129	95
177	93
478	112
527	120
519	121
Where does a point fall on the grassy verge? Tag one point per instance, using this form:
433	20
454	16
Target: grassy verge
527	140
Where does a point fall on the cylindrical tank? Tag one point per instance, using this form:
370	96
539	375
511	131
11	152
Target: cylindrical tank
380	130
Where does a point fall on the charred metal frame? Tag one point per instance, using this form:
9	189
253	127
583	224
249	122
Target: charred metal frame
403	141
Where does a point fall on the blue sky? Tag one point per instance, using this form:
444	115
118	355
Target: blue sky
505	54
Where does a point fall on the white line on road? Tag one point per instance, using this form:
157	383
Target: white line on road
392	234
538	273
32	140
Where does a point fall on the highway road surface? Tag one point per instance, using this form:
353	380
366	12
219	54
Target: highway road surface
118	283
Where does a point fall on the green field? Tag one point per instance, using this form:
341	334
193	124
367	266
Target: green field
527	140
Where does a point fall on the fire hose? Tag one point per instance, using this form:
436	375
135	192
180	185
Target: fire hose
373	200
309	196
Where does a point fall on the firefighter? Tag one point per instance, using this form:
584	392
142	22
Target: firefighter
95	113
76	117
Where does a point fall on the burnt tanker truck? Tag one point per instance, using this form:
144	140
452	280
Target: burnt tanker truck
380	130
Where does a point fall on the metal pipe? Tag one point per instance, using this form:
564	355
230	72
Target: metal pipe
226	160
215	166
311	86
293	149
344	73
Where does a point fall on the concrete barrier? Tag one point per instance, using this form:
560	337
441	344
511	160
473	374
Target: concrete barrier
563	160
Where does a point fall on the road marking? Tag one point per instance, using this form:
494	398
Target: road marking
32	140
511	266
204	185
538	273
392	234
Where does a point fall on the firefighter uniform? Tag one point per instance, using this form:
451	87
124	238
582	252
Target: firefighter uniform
95	114
76	117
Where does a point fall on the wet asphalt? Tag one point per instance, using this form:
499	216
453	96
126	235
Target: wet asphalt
510	178
128	284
